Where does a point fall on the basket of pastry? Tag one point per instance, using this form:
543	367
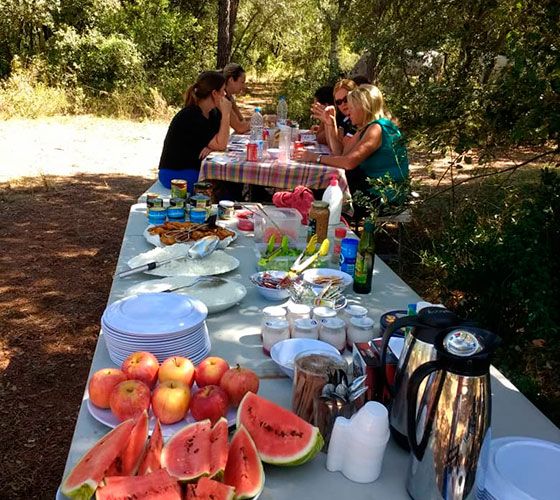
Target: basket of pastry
170	233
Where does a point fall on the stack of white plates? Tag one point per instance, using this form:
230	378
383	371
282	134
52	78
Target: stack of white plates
165	324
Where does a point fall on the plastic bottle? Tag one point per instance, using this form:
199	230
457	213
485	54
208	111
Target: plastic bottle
363	273
282	111
339	235
333	196
285	143
257	125
348	250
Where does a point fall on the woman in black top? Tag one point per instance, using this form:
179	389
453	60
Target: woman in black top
200	127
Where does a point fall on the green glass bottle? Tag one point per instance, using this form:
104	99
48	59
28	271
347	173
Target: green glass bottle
363	272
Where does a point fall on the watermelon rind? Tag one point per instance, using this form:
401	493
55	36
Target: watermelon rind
269	414
176	451
244	461
83	480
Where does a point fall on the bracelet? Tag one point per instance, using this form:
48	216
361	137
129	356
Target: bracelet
318	159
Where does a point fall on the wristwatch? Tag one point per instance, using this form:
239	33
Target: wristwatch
318	159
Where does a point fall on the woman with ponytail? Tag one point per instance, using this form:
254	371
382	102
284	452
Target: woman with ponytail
200	127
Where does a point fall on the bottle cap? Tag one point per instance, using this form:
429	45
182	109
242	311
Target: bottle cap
257	110
340	232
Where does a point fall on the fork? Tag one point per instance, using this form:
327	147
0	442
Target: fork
210	279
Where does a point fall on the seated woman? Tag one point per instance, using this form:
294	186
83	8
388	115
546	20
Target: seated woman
378	149
235	84
339	130
200	127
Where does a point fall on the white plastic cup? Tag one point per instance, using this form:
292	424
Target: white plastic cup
338	444
365	468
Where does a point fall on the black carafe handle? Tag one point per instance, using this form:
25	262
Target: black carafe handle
389	331
412	396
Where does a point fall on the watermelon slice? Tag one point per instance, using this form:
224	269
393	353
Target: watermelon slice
128	461
208	489
158	485
82	482
186	455
152	459
281	437
244	470
218	448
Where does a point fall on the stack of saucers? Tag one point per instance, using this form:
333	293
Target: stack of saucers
165	324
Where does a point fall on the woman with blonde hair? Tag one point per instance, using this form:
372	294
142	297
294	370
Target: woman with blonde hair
378	149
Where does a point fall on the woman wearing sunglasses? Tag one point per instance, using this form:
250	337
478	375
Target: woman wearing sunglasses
339	130
377	149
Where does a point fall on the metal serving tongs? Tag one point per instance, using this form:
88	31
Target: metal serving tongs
202	248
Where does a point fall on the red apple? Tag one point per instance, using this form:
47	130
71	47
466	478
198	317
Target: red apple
237	382
209	402
170	401
101	384
142	366
129	399
177	368
210	371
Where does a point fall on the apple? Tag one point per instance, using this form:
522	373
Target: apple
101	384
129	399
177	368
170	401
237	382
209	402
142	366
210	371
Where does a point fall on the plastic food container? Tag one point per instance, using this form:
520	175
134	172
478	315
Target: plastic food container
288	221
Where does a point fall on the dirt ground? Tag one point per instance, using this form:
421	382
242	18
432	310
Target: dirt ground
66	185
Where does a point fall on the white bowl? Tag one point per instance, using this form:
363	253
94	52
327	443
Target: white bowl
271	293
283	353
274	152
321	272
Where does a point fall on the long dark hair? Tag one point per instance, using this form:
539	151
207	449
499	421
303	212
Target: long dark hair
205	84
232	70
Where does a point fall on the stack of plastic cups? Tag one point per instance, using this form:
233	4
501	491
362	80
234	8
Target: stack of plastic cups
357	446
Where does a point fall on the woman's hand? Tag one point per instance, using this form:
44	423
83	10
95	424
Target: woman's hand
304	155
225	106
204	153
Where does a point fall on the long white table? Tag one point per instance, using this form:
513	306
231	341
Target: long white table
235	337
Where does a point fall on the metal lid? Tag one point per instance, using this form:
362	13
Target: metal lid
320	204
276	324
333	323
362	321
462	343
305	324
355	310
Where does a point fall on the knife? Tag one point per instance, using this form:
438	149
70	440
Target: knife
149	266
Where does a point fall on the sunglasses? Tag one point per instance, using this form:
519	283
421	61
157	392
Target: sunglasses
340	102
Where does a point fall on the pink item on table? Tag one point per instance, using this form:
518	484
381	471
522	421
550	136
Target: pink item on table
300	199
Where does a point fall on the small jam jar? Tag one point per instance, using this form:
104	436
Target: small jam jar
305	328
272	313
274	331
361	329
157	215
322	312
178	188
198	215
225	210
176	214
352	311
298	311
333	331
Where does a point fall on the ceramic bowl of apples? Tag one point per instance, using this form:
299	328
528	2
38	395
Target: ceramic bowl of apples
176	391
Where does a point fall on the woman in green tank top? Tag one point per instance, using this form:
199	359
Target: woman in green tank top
378	149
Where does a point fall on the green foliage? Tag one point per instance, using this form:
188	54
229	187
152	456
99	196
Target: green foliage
499	252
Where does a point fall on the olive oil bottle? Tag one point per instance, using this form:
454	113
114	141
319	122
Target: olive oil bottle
363	273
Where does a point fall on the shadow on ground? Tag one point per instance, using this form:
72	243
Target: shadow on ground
60	240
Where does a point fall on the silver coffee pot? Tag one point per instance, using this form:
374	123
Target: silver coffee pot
418	349
448	416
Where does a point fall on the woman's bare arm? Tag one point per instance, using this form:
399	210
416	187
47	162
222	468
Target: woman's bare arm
236	120
220	140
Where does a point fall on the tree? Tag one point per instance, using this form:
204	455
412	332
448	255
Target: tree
335	13
227	15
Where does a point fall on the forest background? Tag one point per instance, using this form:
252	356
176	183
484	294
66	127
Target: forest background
467	80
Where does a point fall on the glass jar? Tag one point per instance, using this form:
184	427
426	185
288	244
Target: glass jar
298	311
333	331
204	188
318	220
157	215
225	210
322	312
272	313
274	331
305	328
311	373
178	188
352	311
361	329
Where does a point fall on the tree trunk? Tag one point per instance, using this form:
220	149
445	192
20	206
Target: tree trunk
334	65
227	15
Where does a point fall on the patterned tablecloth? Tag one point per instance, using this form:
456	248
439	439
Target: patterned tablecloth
233	166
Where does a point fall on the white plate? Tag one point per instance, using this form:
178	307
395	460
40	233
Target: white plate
283	353
218	262
217	297
311	274
154	238
107	418
155	313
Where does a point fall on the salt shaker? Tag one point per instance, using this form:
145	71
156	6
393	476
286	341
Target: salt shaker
333	331
305	328
274	331
360	330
